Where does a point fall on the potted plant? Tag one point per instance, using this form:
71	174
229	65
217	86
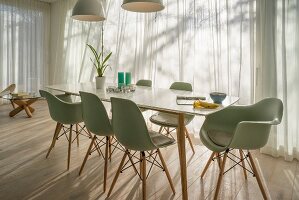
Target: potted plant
100	63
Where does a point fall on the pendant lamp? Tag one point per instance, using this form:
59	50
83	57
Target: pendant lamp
88	10
143	5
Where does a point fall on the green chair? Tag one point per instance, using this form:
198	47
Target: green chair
242	128
167	121
144	82
64	113
65	97
131	131
80	130
9	90
97	122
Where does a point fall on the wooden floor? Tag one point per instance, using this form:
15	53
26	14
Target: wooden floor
25	173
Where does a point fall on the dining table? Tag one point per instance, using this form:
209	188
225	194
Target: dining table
157	99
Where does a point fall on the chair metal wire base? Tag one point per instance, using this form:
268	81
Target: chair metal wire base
82	131
99	143
237	160
150	158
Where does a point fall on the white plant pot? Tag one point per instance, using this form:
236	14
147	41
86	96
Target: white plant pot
100	82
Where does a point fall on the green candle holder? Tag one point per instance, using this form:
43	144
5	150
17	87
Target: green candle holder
128	78
121	79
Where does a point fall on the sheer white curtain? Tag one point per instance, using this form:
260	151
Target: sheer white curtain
278	70
68	44
24	43
207	43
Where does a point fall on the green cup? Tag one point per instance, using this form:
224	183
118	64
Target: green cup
128	78
121	79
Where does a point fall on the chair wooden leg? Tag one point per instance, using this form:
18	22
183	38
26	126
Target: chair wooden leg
134	167
77	134
57	130
166	171
87	154
98	148
106	162
89	133
257	176
189	139
243	163
161	128
110	148
220	176
69	149
167	131
207	165
143	174
118	172
219	160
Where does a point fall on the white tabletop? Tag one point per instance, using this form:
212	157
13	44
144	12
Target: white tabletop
146	97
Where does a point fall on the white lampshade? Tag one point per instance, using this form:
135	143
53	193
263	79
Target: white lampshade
88	10
143	5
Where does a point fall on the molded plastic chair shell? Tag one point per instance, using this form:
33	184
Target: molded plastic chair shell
181	86
95	115
130	128
241	127
170	120
143	82
8	90
62	111
65	97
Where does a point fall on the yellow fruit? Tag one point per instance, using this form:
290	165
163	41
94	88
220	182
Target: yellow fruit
202	104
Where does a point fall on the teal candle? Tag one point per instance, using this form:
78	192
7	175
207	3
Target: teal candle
121	79
128	78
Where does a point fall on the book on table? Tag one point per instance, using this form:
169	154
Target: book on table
188	100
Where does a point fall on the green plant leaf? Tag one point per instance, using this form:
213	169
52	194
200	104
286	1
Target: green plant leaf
107	58
94	51
98	62
104	68
94	64
100	72
99	57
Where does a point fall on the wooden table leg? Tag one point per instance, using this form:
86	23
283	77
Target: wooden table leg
182	155
12	103
31	109
16	111
28	112
23	105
